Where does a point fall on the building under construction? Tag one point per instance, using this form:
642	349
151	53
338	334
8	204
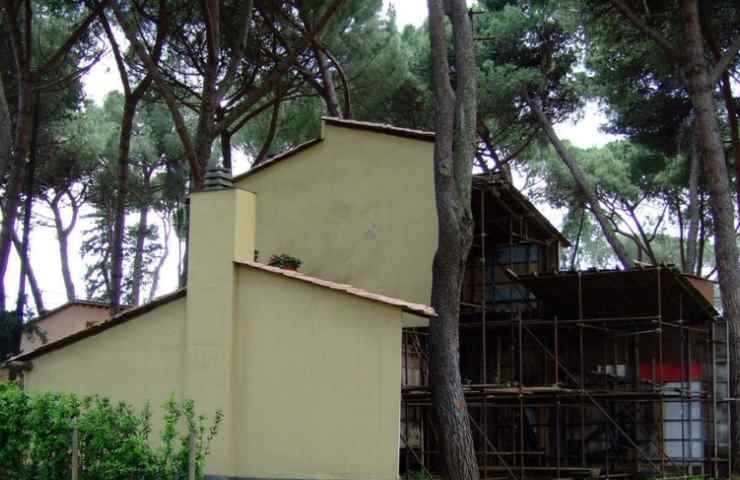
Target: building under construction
591	374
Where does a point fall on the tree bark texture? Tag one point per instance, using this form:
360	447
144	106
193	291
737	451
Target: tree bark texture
27	208
455	114
6	132
709	143
119	222
693	212
583	184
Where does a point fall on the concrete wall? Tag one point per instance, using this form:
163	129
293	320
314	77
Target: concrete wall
354	208
67	320
319	376
136	361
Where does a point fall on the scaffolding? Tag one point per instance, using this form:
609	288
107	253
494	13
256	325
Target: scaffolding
592	374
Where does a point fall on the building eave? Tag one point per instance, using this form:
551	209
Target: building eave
99	327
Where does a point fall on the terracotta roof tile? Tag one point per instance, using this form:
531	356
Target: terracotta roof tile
415	308
381	128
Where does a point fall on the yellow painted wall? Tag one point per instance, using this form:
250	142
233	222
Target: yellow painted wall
354	208
137	361
319	375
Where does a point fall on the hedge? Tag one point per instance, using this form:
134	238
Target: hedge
115	439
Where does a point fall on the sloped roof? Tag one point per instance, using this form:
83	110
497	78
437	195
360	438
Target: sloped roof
73	303
518	202
342	123
409	307
111	322
633	293
385	128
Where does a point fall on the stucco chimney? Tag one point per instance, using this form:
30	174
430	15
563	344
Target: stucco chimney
222	230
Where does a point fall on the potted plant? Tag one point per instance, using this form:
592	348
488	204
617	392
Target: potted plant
285	261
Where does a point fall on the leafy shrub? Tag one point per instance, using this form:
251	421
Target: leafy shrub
114	438
285	261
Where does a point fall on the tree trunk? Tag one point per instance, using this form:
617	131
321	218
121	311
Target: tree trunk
580	178
577	245
710	146
330	91
6	133
453	168
62	241
28	206
15	181
701	244
262	155
138	273
119	222
38	299
226	150
167	229
732	118
693	209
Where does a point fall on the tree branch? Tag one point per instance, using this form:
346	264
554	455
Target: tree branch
640	24
81	29
725	61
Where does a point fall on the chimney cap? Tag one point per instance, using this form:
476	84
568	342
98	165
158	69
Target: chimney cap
217	178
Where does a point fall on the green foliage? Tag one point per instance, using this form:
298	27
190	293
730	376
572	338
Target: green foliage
12	329
285	261
417	475
114	438
639	189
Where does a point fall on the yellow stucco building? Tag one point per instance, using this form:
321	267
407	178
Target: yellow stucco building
306	367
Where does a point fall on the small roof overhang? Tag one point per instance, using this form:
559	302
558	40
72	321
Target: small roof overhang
604	294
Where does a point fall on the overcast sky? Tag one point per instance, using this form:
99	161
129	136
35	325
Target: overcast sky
583	131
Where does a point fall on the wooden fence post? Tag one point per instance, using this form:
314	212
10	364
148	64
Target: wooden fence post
75	453
192	455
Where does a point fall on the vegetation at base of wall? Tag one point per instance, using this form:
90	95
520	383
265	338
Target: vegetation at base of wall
115	439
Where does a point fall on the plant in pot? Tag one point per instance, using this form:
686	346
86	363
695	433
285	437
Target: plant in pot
285	261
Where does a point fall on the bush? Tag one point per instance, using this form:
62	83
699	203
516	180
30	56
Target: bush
114	438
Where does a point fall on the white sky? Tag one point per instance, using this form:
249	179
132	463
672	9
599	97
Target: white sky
103	78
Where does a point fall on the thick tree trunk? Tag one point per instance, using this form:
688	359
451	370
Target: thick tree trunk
330	91
732	113
716	176
6	132
27	208
580	178
138	270
693	210
119	222
15	181
455	113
